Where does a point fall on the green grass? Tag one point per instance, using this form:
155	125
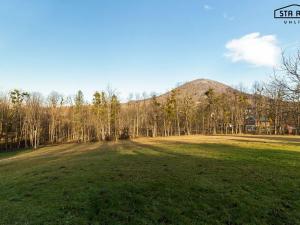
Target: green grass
177	180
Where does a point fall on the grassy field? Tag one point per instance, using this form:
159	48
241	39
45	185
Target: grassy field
176	180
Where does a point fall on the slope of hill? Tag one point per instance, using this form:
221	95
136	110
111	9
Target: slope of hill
197	88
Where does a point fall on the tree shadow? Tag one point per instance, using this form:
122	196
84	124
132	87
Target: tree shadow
275	138
161	182
179	188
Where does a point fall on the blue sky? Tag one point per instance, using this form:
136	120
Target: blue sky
136	45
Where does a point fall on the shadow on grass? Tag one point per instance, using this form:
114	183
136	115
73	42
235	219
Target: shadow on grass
234	148
179	188
7	154
291	143
166	182
274	138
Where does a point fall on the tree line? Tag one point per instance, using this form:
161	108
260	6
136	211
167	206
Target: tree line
28	120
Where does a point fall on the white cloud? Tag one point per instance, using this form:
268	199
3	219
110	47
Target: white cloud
255	49
207	7
227	17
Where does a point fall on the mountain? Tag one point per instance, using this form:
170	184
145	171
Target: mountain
197	88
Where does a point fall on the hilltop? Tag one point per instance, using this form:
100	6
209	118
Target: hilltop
197	88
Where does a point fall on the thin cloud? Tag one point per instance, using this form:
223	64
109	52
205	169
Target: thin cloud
255	49
228	17
207	7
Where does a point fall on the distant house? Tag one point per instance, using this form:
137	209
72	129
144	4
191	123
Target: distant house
264	121
252	124
290	129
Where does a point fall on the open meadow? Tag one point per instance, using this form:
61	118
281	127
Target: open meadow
174	180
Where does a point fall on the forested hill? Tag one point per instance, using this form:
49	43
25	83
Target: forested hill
196	89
